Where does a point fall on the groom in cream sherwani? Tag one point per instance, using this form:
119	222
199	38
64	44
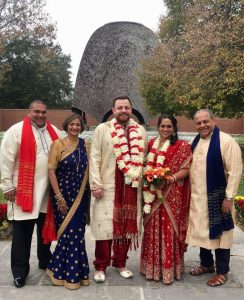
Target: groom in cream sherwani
116	162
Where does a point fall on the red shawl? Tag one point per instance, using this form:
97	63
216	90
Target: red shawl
125	209
27	162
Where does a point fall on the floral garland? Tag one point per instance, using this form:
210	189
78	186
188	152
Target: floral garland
150	193
129	159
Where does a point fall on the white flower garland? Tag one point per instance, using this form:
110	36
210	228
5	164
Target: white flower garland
130	162
149	196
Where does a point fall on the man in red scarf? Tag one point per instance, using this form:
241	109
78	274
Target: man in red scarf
24	182
116	160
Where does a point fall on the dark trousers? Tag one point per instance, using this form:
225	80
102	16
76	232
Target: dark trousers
222	259
103	254
21	246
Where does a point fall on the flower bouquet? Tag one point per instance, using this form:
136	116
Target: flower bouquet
239	216
153	180
239	205
5	226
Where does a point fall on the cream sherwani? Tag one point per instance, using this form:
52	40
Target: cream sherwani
9	169
198	228
102	174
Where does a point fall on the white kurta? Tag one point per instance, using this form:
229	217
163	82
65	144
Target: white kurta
102	174
9	169
198	227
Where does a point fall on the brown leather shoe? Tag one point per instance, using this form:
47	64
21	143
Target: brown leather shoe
199	270
218	280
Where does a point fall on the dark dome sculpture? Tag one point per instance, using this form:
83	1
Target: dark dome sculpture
108	69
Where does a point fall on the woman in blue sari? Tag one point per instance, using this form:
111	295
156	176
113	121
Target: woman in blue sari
70	194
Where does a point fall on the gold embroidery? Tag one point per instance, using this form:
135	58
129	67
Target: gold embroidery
74	206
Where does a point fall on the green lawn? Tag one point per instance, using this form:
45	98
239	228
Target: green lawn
1	197
241	187
240	140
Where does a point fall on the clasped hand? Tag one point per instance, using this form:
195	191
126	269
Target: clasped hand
98	193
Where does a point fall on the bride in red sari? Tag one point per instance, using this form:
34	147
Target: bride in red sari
165	222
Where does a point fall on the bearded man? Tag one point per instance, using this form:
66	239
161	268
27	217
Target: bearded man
116	161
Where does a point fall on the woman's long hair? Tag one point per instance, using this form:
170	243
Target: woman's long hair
174	137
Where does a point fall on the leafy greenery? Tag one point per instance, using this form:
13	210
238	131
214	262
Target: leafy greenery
199	62
37	70
32	64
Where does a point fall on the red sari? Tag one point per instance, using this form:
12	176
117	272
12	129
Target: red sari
163	242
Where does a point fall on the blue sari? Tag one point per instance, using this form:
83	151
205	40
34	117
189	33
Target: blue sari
69	264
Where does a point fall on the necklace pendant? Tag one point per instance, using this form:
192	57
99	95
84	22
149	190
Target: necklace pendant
77	169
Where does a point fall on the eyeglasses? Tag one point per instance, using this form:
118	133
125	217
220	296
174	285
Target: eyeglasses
166	126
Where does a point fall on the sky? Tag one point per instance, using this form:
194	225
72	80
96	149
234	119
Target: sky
77	20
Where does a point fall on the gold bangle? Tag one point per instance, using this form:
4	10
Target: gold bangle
58	195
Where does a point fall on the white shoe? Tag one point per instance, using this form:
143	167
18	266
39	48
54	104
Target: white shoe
99	276
125	273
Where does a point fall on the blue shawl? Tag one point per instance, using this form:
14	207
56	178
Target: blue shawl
216	185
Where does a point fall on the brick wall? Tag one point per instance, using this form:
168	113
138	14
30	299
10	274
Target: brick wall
233	126
8	117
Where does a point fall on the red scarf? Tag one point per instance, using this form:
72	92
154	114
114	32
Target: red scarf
125	209
49	233
27	163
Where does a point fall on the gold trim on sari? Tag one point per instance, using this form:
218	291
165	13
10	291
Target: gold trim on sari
68	285
59	153
74	207
79	196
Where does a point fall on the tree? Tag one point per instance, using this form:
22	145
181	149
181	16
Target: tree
37	70
202	64
25	18
31	64
172	24
20	18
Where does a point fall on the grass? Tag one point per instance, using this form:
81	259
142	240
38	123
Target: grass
241	187
240	140
1	197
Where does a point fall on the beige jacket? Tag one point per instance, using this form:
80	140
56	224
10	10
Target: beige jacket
102	174
198	228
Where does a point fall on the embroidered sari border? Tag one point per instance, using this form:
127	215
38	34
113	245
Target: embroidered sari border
74	206
68	285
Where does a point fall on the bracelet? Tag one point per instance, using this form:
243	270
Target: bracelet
175	179
60	202
58	195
